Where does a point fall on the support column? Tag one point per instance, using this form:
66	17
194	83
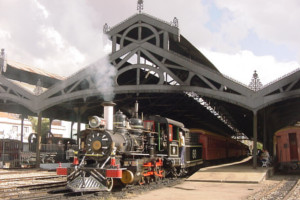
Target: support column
38	138
79	111
22	131
78	128
265	140
50	124
166	41
114	44
254	139
138	71
49	134
72	124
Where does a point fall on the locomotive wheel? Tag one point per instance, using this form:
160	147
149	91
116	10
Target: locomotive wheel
163	174
147	179
109	184
157	179
141	181
294	166
127	177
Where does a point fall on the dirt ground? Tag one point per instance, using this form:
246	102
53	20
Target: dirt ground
201	190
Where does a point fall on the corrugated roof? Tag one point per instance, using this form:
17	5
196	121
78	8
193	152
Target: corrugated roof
35	70
28	87
30	75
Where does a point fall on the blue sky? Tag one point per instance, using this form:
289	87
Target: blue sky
237	36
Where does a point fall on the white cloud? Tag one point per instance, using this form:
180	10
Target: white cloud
4	34
64	36
45	13
274	21
241	65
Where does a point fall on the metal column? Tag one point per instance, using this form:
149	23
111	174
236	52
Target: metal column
78	128
38	138
254	139
265	138
22	131
71	135
50	124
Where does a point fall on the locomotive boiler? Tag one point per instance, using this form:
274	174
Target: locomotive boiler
117	150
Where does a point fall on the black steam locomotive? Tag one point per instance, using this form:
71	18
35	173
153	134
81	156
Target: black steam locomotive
133	151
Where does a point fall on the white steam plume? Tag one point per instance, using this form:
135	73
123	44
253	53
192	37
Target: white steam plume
103	74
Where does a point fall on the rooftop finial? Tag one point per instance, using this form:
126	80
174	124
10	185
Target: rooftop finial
255	83
140	5
38	88
2	52
106	28
175	22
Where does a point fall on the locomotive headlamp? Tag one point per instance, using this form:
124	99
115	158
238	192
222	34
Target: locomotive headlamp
96	121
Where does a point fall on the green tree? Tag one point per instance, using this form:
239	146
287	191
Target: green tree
259	145
45	126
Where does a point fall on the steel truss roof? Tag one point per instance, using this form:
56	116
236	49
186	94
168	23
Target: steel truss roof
159	67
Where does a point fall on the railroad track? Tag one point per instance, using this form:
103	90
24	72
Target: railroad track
29	185
57	190
31	191
284	190
5	180
117	193
8	185
294	193
7	172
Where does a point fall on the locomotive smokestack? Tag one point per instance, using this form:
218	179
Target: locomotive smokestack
136	109
108	114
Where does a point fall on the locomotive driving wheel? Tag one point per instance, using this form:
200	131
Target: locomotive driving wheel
141	181
109	184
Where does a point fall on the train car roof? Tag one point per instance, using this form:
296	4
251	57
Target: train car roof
205	132
287	128
165	120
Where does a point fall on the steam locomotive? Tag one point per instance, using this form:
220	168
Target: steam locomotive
131	151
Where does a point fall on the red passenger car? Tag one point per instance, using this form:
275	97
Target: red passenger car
287	144
218	147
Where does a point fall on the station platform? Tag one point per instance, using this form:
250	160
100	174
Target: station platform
53	166
233	181
236	172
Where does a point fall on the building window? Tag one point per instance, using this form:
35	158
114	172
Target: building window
15	129
26	129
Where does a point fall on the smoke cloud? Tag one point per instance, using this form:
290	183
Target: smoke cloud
103	73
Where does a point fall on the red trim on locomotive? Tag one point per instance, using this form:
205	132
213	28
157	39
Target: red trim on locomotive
170	133
154	168
114	173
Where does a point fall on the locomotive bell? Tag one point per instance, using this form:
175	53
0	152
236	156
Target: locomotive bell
120	120
136	123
